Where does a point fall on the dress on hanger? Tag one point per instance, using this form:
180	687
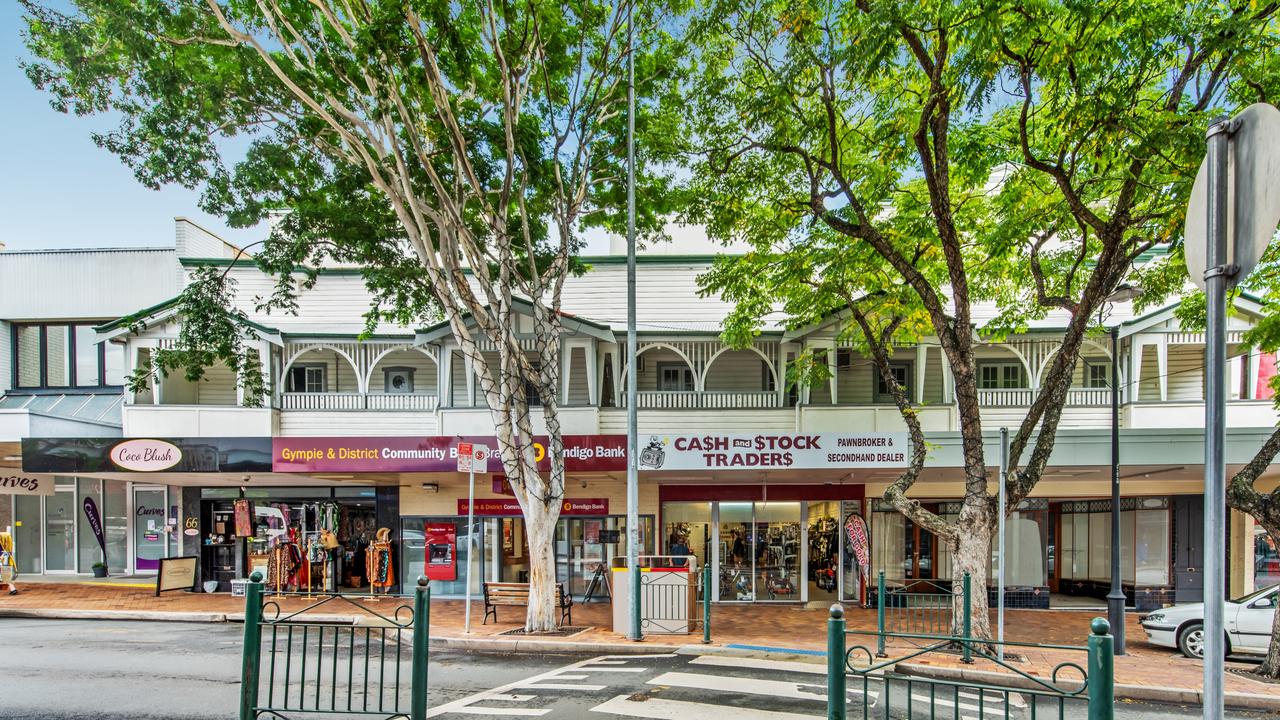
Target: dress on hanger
378	561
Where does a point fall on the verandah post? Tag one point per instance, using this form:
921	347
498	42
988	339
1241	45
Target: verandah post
706	604
1102	680
968	618
880	614
251	654
835	664
421	638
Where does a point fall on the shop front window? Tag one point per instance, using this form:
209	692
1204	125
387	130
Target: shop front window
687	530
1084	548
1266	559
737	561
29	523
88	551
1025	545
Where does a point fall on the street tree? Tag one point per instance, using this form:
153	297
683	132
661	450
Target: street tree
454	152
899	163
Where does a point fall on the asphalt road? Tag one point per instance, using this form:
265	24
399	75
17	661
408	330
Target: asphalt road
56	670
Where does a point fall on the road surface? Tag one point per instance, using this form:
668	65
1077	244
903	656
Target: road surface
62	669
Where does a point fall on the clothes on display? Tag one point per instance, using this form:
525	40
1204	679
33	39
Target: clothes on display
283	562
378	561
824	553
243	518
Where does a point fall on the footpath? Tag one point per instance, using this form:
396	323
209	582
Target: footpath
1146	672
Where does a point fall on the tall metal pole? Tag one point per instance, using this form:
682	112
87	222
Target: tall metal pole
1004	468
471	548
1216	276
1115	598
633	441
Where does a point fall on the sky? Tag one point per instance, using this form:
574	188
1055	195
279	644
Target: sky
59	190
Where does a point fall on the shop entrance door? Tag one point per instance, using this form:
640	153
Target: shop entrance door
583	550
1188	548
149	534
919	560
60	532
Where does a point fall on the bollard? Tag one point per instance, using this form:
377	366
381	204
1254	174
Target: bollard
251	656
968	628
706	605
421	638
1102	679
880	615
835	664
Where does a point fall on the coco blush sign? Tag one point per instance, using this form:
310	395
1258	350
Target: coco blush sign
145	455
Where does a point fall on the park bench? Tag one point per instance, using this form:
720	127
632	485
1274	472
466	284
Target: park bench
517	595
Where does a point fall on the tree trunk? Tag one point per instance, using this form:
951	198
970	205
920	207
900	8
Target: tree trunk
971	553
540	530
1271	665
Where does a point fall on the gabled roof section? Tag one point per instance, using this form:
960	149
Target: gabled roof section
1243	302
572	323
168	310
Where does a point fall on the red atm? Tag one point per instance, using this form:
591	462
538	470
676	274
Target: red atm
442	543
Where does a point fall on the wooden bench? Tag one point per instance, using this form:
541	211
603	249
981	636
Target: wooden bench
517	595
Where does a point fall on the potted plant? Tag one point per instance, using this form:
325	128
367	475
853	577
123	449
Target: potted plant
99	569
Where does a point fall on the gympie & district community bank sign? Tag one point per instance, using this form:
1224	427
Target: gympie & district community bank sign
582	453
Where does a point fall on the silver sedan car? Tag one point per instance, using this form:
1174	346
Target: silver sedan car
1248	620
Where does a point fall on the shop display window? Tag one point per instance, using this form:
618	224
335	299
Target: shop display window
1266	559
1084	547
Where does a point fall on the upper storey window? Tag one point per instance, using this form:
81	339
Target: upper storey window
64	355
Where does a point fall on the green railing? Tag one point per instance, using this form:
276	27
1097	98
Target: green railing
317	666
879	690
924	607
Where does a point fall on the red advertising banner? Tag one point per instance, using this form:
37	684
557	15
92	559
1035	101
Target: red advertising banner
582	453
505	506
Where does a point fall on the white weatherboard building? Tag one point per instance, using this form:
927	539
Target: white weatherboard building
751	476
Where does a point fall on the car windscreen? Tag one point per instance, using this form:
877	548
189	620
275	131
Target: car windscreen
1255	594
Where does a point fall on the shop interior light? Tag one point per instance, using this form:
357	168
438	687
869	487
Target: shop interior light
431	487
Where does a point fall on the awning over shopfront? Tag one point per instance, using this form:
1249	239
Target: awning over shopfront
437	454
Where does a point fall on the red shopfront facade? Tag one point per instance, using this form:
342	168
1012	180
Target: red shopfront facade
768	543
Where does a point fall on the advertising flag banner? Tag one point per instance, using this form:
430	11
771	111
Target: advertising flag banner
95	521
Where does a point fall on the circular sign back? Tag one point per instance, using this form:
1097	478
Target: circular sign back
1253	196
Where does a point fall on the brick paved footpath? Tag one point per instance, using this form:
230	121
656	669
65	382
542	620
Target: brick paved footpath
773	626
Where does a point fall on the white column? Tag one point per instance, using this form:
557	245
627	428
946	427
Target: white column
835	372
566	356
471	380
1255	373
922	358
1134	379
615	364
593	374
783	349
948	382
1162	366
444	376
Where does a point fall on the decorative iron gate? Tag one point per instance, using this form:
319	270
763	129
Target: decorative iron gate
859	686
313	665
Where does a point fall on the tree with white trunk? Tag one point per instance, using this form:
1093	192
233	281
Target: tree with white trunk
455	152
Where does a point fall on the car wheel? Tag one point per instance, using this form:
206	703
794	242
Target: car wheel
1191	641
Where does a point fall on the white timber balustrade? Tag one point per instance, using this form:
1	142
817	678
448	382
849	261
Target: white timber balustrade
358	401
715	400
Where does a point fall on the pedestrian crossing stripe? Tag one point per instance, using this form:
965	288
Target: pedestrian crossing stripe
664	709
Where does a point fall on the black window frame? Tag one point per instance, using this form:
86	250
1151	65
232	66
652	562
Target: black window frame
882	394
72	385
1089	364
324	377
1023	382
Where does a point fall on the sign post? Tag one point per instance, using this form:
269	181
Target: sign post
471	457
1231	219
1004	469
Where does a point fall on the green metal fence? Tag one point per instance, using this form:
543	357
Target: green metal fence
298	663
859	686
923	607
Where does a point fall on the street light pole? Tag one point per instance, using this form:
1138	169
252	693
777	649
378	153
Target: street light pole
1115	598
633	442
